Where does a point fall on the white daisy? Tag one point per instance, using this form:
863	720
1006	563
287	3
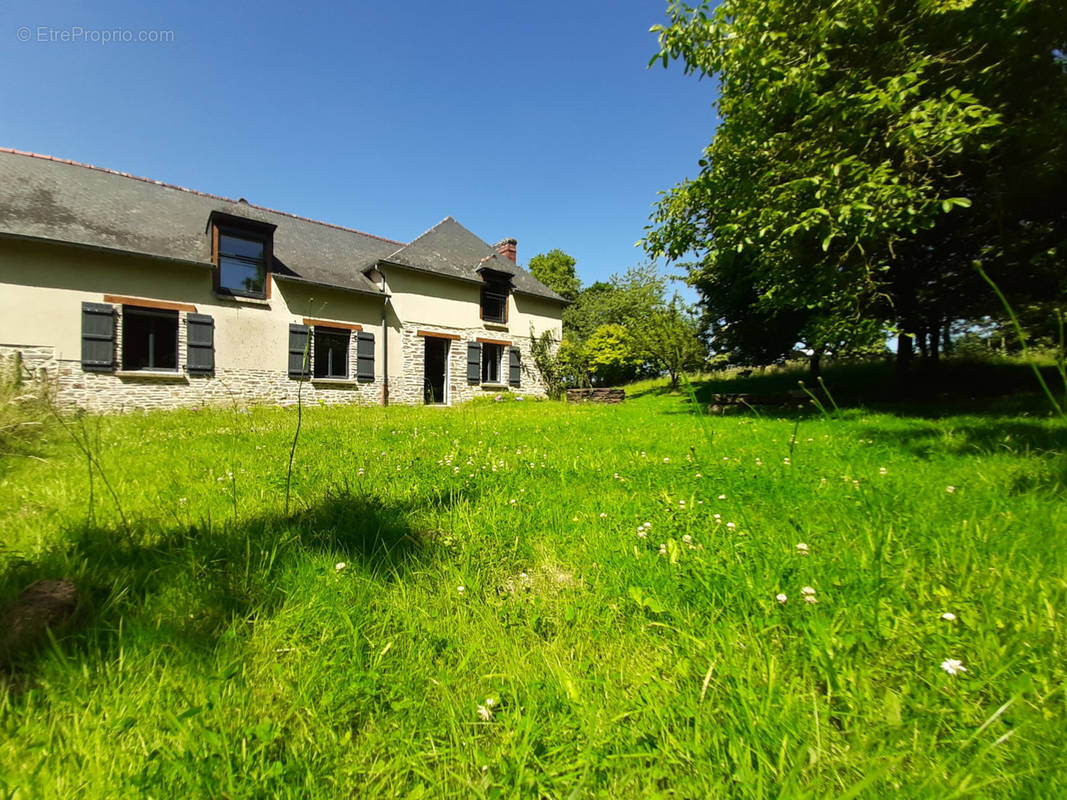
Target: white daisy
953	666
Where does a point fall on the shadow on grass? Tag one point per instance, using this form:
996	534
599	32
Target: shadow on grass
185	584
654	390
931	391
970	436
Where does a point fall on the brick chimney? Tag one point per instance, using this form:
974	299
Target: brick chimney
508	248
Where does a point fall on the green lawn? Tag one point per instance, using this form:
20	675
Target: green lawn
542	600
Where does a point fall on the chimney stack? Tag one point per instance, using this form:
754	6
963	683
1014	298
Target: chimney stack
508	248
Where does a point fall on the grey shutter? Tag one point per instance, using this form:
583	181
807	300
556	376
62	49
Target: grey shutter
474	362
199	344
364	356
298	344
515	366
98	337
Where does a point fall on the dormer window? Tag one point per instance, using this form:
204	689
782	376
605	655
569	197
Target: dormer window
242	265
495	297
243	251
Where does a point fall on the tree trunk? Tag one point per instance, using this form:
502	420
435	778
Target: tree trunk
921	336
905	354
935	343
815	364
946	338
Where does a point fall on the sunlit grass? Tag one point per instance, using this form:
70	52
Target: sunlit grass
619	572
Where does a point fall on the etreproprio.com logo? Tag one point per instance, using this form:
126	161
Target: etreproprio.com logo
76	34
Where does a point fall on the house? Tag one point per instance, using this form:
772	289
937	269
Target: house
130	293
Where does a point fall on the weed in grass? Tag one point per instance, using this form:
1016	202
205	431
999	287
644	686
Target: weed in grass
89	443
1060	366
24	404
299	419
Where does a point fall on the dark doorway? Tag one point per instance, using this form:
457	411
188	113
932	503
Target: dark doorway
436	371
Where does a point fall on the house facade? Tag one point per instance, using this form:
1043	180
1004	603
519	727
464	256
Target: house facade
127	293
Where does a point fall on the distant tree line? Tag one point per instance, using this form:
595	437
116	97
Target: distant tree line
614	331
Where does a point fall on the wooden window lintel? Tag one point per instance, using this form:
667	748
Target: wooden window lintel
145	303
437	335
325	323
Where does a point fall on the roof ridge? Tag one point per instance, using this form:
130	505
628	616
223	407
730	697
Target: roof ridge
459	225
432	228
45	157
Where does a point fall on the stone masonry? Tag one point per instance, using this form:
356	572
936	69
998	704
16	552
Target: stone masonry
129	391
407	388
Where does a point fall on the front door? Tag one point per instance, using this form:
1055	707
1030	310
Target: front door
436	371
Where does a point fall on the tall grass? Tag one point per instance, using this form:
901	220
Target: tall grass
1060	366
530	599
24	408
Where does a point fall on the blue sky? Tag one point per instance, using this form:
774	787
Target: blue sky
537	120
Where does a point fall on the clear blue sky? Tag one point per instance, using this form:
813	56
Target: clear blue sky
537	120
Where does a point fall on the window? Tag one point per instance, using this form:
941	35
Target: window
331	352
492	355
242	264
495	300
149	338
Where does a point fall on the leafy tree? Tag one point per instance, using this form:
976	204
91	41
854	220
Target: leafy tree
611	355
615	330
669	338
631	294
555	269
865	157
601	321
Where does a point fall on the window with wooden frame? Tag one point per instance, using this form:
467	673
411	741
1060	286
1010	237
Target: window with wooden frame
242	250
322	351
492	356
495	298
144	337
242	265
149	339
330	358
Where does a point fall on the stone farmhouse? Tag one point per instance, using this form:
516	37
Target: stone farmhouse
128	294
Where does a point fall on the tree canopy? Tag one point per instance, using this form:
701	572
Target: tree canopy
868	152
615	330
555	269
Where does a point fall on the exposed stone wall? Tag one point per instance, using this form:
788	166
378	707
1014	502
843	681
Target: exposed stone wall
407	388
34	368
107	391
117	391
37	362
102	391
611	396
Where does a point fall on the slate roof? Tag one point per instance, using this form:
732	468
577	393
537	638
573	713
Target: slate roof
49	198
54	199
450	249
